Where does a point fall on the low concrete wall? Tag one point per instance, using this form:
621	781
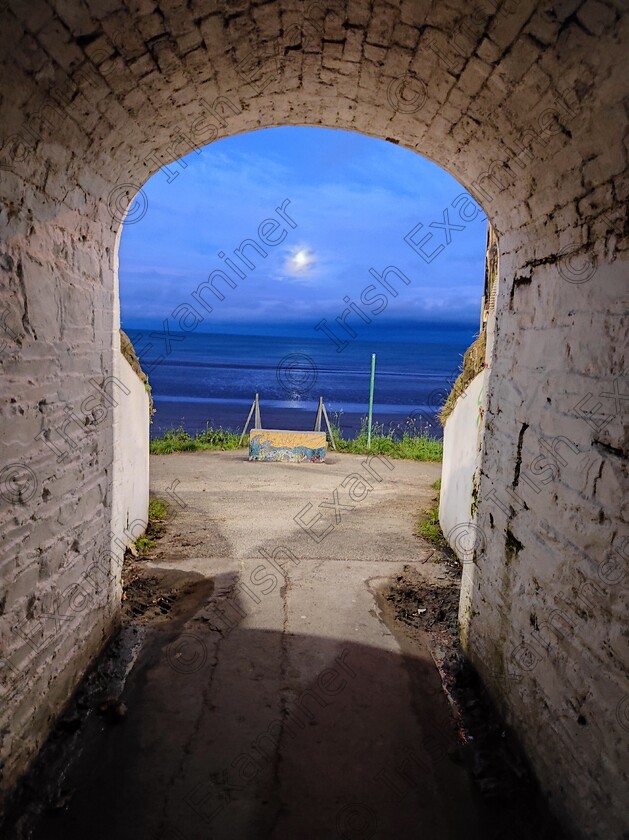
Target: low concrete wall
131	456
461	460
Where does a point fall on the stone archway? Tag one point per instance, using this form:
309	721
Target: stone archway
523	104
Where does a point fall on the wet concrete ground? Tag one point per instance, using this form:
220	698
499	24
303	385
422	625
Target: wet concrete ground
273	700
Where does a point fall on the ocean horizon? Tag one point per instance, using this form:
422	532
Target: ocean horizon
201	379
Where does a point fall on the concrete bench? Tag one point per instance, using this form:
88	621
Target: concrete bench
283	445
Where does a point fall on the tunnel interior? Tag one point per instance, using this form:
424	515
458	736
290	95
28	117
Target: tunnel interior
524	106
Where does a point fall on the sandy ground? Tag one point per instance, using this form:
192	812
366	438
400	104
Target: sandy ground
257	689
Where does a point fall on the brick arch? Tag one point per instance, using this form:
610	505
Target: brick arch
523	104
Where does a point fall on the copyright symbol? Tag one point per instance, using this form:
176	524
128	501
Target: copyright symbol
297	373
574	267
437	398
465	538
18	483
187	654
127	204
356	822
525	657
622	713
407	94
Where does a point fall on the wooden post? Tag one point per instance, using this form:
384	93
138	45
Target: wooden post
255	407
317	425
327	423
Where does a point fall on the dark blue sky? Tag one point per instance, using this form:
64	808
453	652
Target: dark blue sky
349	201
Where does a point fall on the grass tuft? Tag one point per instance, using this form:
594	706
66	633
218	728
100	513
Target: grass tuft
144	544
159	511
415	444
428	525
178	440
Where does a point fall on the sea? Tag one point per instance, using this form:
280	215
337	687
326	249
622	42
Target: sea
211	379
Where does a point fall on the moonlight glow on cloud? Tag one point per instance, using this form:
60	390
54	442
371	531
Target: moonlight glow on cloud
299	261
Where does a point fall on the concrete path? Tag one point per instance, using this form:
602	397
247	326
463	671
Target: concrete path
284	708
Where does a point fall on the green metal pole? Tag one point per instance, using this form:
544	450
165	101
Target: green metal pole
373	376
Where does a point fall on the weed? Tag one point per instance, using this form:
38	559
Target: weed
428	525
144	544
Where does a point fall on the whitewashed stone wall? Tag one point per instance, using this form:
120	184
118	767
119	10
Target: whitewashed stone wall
525	104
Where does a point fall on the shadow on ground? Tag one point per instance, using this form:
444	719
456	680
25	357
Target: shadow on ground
242	733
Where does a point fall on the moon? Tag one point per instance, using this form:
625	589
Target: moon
300	259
